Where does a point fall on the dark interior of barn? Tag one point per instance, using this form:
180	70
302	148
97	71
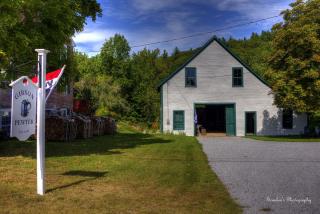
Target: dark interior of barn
211	118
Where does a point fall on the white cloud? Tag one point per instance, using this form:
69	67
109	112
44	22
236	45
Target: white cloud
175	18
89	37
91	40
252	9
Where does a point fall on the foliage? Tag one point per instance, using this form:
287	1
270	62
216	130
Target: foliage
3	63
254	51
178	58
3	59
145	99
115	54
295	60
103	94
115	61
27	25
86	65
128	81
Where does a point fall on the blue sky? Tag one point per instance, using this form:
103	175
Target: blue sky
144	21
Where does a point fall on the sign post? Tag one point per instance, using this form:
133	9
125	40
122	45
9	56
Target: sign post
23	110
41	103
28	94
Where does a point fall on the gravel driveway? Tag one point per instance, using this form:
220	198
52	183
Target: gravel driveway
267	177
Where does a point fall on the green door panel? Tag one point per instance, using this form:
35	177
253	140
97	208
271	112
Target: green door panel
230	120
178	120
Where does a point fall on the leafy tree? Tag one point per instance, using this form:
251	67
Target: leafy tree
254	51
115	54
178	58
98	87
3	63
131	79
295	60
104	94
176	52
50	24
145	98
86	65
115	61
165	54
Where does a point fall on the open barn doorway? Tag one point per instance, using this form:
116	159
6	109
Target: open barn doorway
215	119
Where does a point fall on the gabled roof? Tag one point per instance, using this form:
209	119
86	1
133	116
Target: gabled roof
214	38
23	78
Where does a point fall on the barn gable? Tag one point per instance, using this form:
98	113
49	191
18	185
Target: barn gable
208	43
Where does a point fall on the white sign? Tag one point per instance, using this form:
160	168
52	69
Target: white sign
23	108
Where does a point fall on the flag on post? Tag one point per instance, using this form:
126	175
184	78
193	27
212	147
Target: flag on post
195	117
52	78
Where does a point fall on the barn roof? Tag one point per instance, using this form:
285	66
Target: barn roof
214	38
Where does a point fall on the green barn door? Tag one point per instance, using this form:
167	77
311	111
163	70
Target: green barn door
230	120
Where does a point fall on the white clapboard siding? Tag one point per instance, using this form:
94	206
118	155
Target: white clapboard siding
214	85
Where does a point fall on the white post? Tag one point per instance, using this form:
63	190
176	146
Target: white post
41	104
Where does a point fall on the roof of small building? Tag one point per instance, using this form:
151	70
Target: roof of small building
214	38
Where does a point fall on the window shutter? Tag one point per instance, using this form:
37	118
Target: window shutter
178	120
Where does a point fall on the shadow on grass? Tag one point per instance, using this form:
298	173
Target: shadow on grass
97	145
91	175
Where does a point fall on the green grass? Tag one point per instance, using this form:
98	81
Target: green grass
284	138
126	173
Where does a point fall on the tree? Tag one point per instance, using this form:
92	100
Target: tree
103	93
176	52
295	60
3	63
50	24
86	65
146	67
97	87
115	53
115	61
165	54
254	51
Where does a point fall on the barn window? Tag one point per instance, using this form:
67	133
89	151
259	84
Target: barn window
191	77
178	120
237	77
287	119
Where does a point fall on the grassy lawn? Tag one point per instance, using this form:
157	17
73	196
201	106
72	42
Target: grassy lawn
284	138
127	173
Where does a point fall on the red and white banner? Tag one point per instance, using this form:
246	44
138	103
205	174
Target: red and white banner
52	79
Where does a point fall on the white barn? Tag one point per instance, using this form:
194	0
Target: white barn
218	92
